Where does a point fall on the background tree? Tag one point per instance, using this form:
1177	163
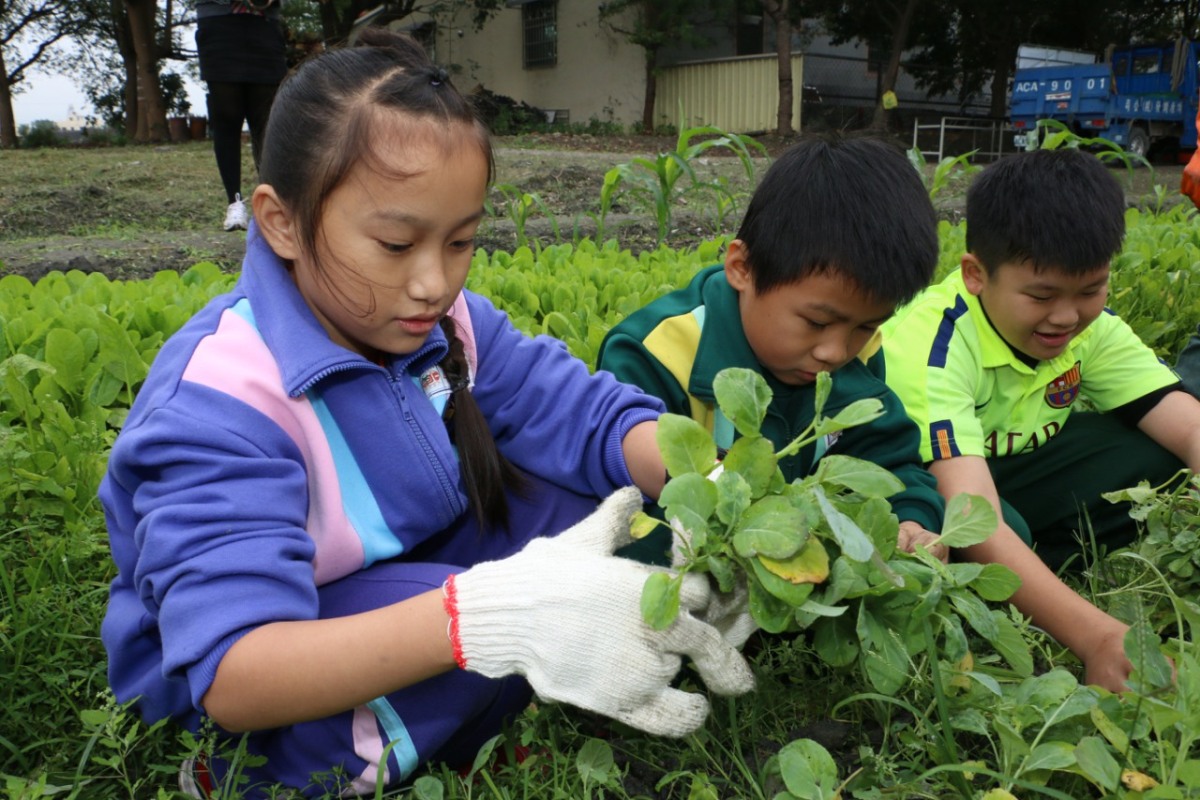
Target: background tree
653	24
780	14
33	26
887	26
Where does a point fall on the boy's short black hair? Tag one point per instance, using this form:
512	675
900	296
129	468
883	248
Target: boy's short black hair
849	206
1056	209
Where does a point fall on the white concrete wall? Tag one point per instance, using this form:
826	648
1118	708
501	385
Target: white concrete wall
598	74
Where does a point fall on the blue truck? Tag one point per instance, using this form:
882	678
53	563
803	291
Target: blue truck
1141	97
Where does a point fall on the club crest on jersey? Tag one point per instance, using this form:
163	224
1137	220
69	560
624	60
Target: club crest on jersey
1063	390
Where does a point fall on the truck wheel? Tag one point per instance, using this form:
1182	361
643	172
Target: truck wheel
1139	142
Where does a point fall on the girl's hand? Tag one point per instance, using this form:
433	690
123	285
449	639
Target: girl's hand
566	613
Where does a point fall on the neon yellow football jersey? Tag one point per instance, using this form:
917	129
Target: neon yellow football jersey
970	394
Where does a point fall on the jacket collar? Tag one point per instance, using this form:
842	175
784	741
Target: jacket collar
722	340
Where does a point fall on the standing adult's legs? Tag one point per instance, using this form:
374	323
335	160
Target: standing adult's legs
259	97
226	113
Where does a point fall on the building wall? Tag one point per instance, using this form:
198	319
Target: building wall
598	75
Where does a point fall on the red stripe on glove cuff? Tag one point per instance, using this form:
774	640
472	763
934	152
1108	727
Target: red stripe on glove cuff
450	603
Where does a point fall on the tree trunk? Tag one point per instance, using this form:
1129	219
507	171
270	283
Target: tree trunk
124	41
777	10
8	121
651	92
152	112
1000	75
888	83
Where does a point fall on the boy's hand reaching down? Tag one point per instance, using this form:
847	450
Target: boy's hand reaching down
1104	660
912	534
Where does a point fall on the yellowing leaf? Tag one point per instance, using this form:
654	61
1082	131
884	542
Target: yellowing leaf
810	565
998	794
642	525
965	665
1137	781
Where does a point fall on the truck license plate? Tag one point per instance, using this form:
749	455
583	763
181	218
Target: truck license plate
1020	140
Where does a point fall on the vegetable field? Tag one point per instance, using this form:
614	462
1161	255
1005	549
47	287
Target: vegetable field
911	679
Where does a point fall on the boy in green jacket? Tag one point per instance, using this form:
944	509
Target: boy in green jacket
992	362
837	234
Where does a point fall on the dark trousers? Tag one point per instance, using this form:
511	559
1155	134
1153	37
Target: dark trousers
1052	496
229	106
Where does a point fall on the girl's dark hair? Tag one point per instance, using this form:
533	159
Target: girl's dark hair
1056	209
326	119
851	206
486	473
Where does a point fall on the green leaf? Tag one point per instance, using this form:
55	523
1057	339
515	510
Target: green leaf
884	656
1151	669
860	412
595	762
743	396
64	353
772	614
977	615
836	641
771	527
428	787
685	445
808	771
996	583
1097	762
1051	755
733	497
854	543
660	600
821	393
1110	730
970	519
691	498
1011	645
753	457
858	475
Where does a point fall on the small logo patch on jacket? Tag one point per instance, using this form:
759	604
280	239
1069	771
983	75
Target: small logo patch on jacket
1063	390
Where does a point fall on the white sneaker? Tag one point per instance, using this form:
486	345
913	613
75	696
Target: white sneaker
236	217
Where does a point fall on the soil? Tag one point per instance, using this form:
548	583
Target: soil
65	226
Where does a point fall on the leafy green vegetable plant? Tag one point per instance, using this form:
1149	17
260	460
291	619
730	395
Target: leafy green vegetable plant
820	553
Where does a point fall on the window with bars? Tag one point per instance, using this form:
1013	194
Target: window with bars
539	24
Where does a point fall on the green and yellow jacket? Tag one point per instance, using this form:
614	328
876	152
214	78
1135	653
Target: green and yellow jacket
675	346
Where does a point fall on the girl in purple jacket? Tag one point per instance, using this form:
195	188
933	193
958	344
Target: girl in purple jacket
334	505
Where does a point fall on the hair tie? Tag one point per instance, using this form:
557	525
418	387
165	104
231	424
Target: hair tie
439	76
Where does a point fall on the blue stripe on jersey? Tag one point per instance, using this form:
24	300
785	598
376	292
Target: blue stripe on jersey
358	502
945	332
397	733
941	440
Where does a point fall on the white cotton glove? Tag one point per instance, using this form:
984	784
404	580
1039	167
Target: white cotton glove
566	613
728	612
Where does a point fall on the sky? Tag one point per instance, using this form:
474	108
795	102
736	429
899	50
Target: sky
51	96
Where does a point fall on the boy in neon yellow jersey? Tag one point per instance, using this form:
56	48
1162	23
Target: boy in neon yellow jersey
991	362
